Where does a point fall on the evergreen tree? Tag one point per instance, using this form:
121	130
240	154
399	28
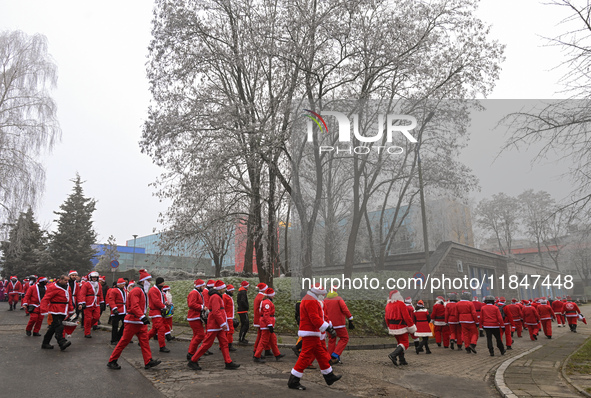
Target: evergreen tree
24	252
71	246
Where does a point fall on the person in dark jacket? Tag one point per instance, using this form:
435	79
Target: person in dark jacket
242	300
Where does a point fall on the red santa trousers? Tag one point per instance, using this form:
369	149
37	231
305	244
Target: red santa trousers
198	335
402	339
442	334
35	322
312	348
572	320
13	298
167	325
547	326
533	329
268	339
158	327
517	327
506	331
256	343
455	333
91	316
469	333
130	330
208	342
560	319
338	348
230	333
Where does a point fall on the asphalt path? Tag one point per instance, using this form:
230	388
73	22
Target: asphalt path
29	371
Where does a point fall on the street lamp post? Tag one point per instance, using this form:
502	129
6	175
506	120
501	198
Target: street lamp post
134	237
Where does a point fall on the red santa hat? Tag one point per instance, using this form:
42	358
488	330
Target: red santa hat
229	288
420	303
13	277
270	292
144	275
103	278
41	279
72	272
262	287
318	289
564	299
513	300
408	300
475	298
199	283
395	295
244	284
502	299
165	288
543	301
219	285
121	281
210	283
440	298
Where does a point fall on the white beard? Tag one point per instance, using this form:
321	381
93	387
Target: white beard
146	286
95	286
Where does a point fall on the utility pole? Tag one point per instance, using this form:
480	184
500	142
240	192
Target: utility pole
134	237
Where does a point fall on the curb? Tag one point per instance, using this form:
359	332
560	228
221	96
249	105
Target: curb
568	379
502	388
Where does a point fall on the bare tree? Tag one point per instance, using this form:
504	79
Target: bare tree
500	217
536	212
110	253
28	123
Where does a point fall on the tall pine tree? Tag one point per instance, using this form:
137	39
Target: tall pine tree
24	253
70	246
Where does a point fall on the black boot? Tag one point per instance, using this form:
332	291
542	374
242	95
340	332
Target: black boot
481	333
28	332
427	350
451	344
258	360
113	365
394	354
168	337
152	363
294	383
438	344
10	309
231	347
459	347
473	348
194	365
331	378
232	366
402	359
492	353
268	353
575	328
65	344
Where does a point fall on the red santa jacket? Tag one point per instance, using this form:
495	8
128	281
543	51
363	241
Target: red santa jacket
14	287
195	304
57	301
545	312
206	297
156	302
257	307
530	316
506	313
516	312
451	314
25	288
477	307
558	307
490	317
337	311
228	306
571	309
33	297
466	312
313	320
116	298
421	319
438	315
137	306
267	312
216	319
89	295
398	319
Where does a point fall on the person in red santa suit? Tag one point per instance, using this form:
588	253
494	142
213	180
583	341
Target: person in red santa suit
558	308
267	328
492	322
411	310
477	306
256	309
531	319
400	324
14	292
208	287
90	298
572	312
516	311
32	301
136	323
217	326
508	322
441	328
196	305
468	322
156	302
546	317
452	319
229	308
57	301
313	325
338	314
27	282
116	298
422	320
3	285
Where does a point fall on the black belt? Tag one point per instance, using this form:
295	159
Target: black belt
439	317
58	302
396	322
